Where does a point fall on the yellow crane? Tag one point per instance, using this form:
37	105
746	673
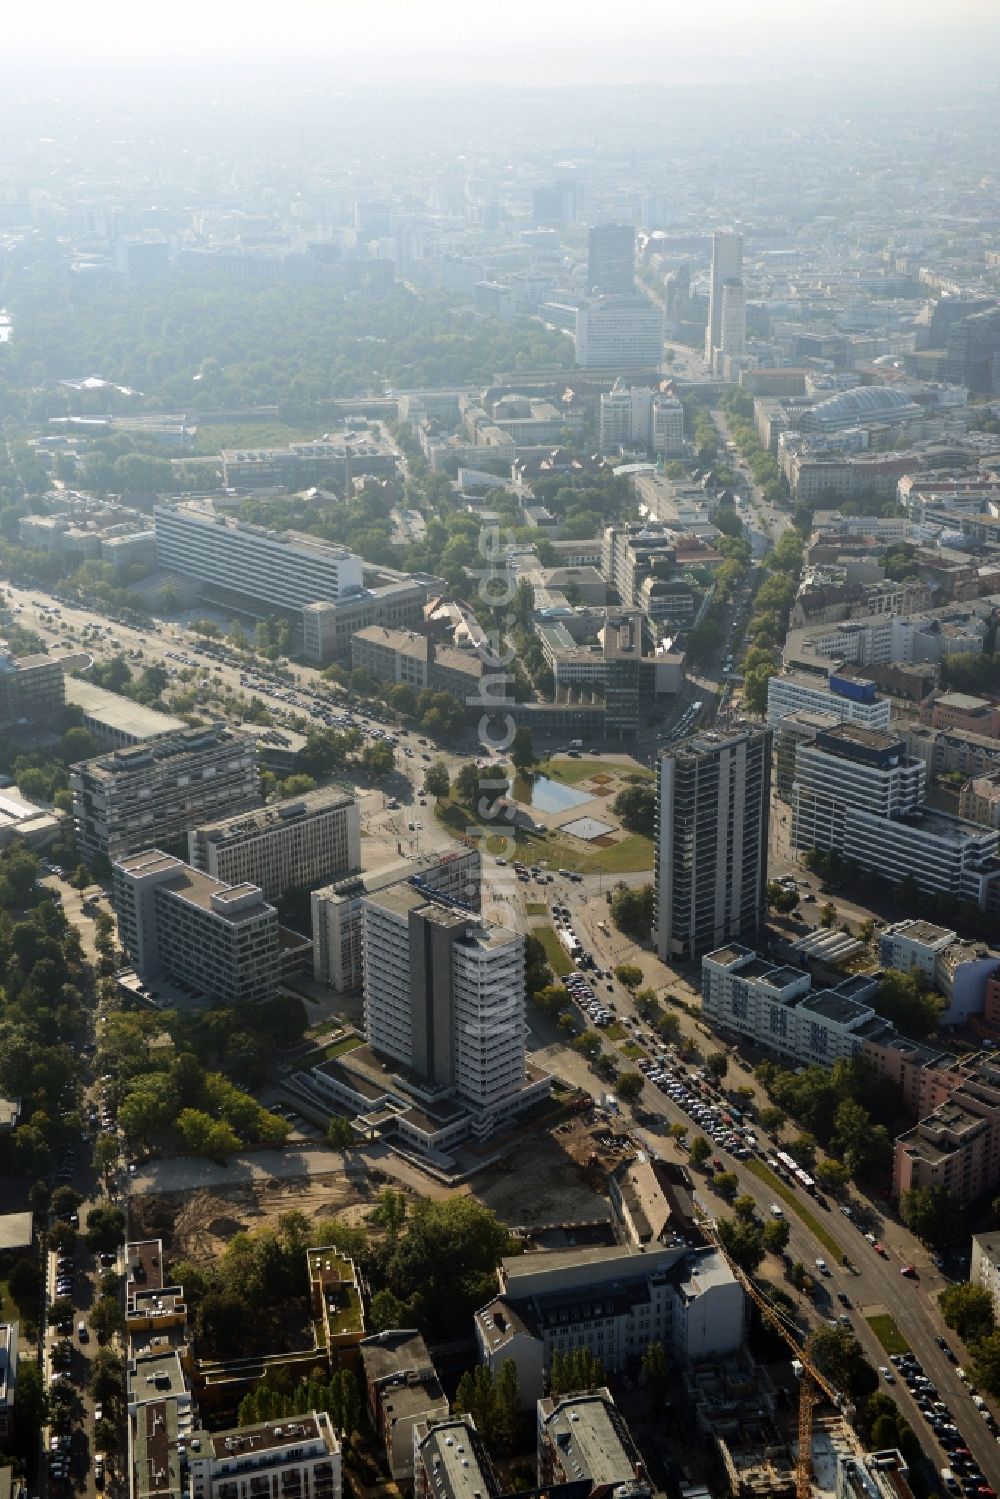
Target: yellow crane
811	1382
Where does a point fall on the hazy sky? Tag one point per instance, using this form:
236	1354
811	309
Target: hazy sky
518	40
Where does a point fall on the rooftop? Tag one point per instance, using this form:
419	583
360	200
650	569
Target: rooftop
590	1438
15	1231
244	825
230	903
456	1461
118	713
269	1436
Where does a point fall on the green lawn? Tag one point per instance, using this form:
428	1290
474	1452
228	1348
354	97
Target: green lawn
536	908
798	1207
634	851
616	1031
342	1044
632	1050
574	771
557	956
888	1333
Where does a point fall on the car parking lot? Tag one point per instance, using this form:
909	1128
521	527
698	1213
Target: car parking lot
960	1473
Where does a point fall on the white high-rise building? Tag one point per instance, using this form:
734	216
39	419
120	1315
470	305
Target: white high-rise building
619	333
713	809
444	996
727	265
848	699
733	329
285	569
303	842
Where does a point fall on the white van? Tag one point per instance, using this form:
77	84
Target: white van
82	1333
776	1211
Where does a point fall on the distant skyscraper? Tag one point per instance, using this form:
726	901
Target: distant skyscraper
713	800
733	332
611	260
559	204
727	265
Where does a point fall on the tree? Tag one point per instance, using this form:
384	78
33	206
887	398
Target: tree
339	1132
832	1175
508	1402
25	1286
106	1317
105	1435
576	1370
908	1004
522	750
771	1118
107	1375
727	1184
636	806
968	1309
827	914
200	1134
632	911
934	1214
837	1353
700	1150
743	1241
678	1130
781	898
744	1206
629	1086
105	1229
986	1363
629	975
776	1235
391	1212
717	1063
655	1368
436	779
387	1311
65	1200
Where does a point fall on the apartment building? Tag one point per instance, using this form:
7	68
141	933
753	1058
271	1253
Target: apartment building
961	710
984	1269
337	928
298	1457
713	809
957	1143
450	1461
613	1300
856	792
444	997
178	922
155	793
32	690
979	800
646	565
281	569
403	1391
959	970
304	842
932	636
776	1007
583	1438
336	462
848	699
640	418
619	332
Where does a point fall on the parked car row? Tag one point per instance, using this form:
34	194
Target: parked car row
714	1119
585	997
963	1474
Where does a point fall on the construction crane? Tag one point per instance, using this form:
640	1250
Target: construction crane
811	1382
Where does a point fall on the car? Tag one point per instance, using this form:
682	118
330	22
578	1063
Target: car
843	1298
909	1271
822	1267
887	1374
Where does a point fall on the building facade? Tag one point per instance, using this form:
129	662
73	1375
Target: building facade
298	1458
623	333
849	700
282	569
32	690
179	922
337	926
444	996
303	842
713	809
155	793
776	1007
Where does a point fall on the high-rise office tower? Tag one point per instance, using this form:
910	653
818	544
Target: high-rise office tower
611	260
444	996
733	330
713	807
727	265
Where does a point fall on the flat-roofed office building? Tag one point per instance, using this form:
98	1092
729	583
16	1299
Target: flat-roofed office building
304	842
179	922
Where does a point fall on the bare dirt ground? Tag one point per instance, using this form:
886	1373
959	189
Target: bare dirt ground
554	1179
198	1225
